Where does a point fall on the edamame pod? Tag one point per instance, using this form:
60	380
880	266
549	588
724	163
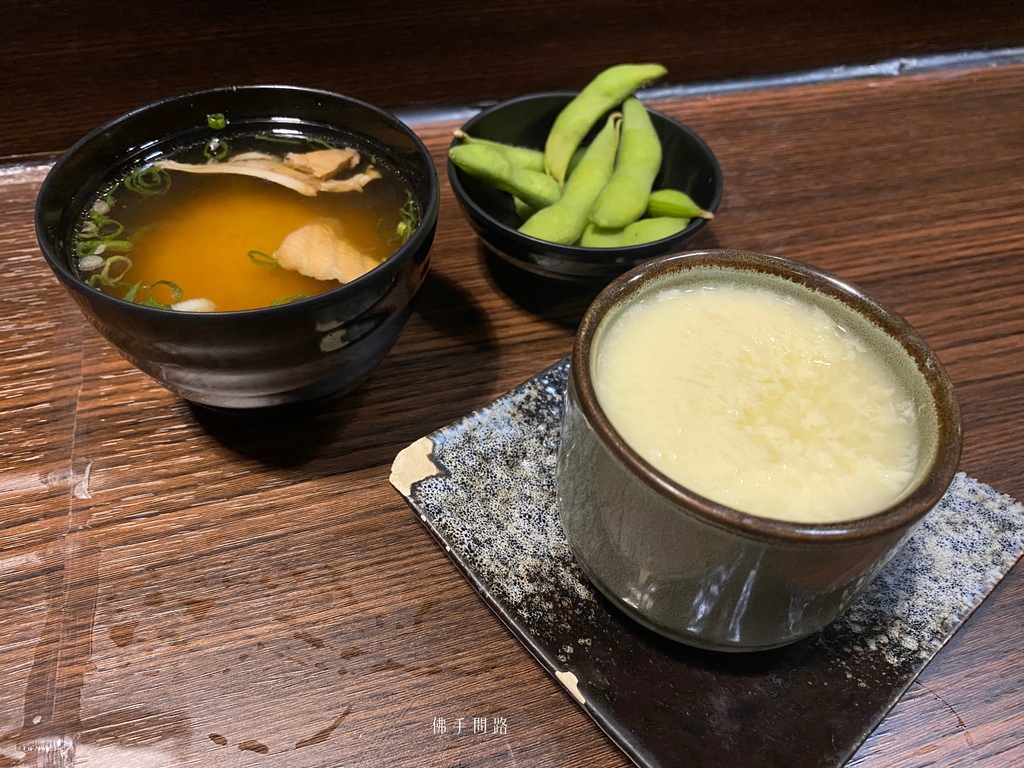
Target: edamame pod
624	198
636	233
523	157
574	161
604	92
536	189
523	211
564	221
674	202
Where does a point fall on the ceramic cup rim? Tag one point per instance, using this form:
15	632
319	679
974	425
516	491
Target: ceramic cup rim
902	514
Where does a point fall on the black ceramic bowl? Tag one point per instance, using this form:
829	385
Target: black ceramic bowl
688	164
320	346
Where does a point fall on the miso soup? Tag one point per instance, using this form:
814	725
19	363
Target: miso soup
189	231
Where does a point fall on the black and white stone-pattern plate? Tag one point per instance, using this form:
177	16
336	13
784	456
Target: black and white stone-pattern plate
484	488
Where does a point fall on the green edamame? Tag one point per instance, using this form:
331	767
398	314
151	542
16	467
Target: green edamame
564	221
574	161
604	92
522	157
523	210
534	188
674	202
635	233
624	198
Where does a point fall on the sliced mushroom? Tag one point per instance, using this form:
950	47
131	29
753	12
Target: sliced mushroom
318	250
306	173
323	163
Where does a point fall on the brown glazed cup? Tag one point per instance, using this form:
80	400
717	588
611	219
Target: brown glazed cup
700	572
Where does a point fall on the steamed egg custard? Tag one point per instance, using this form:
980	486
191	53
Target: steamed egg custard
758	401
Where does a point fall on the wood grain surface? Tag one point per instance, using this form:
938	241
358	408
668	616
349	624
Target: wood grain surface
67	66
185	588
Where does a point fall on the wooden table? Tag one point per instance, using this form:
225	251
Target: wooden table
180	588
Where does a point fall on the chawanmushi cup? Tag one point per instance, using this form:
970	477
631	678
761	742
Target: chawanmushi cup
700	572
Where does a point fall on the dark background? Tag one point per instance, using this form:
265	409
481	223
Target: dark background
67	67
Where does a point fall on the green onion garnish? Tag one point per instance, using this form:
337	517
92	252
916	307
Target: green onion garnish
261	259
148	180
108	229
130	295
215	149
102	227
176	294
280	139
91	262
410	218
104	206
113	262
98	236
90	247
117	285
104	278
289	299
217	121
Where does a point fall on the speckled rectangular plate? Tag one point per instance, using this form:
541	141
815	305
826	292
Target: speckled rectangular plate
484	488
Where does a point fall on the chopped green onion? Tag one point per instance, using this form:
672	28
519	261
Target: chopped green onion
148	180
117	285
217	121
277	138
98	249
289	299
130	295
91	247
102	227
314	142
261	259
91	262
215	149
176	294
106	279
112	262
107	228
410	218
